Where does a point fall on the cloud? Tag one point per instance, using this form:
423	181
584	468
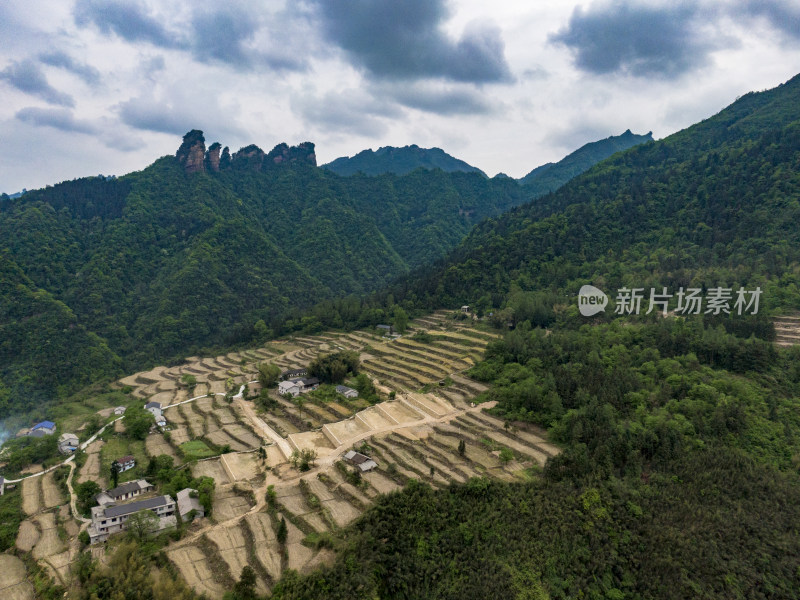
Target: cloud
351	111
58	118
27	77
62	60
638	39
240	36
434	98
221	36
404	40
780	14
146	114
180	110
127	20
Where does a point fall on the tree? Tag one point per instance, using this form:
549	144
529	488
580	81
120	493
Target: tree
283	532
506	455
333	368
400	320
462	447
137	422
261	331
304	459
141	524
245	588
268	375
115	469
189	380
86	492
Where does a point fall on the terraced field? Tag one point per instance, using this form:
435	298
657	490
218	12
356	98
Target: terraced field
49	533
415	435
787	330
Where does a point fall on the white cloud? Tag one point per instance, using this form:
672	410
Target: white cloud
271	71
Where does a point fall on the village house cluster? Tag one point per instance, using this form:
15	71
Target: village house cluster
115	508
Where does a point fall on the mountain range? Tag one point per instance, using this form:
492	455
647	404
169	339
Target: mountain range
193	251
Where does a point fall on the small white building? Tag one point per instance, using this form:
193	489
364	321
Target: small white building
188	502
119	411
126	463
68	443
125	491
465	309
154	408
362	462
111	519
347	392
290	386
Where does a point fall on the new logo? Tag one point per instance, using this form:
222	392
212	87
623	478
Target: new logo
591	300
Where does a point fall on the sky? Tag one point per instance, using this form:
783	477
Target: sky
92	87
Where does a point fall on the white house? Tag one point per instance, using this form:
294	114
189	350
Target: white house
119	411
361	461
154	408
347	392
111	519
125	491
126	463
290	386
188	502
67	443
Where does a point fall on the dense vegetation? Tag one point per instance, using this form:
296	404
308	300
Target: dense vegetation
551	176
715	204
679	471
679	478
398	161
100	276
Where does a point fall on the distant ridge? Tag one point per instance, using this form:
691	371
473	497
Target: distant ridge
551	176
399	161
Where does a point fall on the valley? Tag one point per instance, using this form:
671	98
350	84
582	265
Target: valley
426	426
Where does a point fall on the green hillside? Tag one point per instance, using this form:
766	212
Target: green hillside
715	204
551	176
679	475
43	346
399	161
191	252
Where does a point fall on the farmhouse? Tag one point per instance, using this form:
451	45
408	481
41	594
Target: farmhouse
298	386
119	411
362	462
291	386
154	408
293	373
188	502
126	463
42	429
126	491
465	309
67	443
111	519
347	392
386	328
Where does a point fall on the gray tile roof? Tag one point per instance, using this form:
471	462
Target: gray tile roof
126	509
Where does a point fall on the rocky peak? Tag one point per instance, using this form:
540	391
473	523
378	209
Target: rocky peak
212	157
192	152
282	153
193	157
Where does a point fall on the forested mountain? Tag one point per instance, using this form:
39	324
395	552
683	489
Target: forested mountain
194	250
680	437
399	161
715	204
551	176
